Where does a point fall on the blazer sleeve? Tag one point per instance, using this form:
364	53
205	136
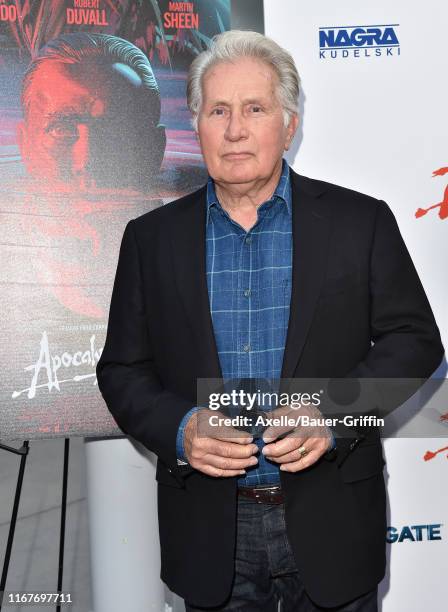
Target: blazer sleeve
405	341
125	371
406	345
405	338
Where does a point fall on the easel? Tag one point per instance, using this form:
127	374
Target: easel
23	452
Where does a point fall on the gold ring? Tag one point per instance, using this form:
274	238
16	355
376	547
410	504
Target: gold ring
303	452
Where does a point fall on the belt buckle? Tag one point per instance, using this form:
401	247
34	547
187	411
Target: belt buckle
260	493
269	489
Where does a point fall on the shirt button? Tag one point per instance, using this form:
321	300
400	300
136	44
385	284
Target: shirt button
247	293
246	348
249	240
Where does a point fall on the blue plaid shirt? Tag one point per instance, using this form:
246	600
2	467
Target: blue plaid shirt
249	276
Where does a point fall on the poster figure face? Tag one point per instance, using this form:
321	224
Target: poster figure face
83	124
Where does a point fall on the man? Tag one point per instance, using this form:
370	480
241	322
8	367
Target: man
261	274
91	115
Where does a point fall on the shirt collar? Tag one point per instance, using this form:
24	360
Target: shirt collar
282	191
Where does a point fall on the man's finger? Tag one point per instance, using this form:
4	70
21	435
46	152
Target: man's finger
228	463
224	449
292	456
301	464
226	433
219	473
272	432
286	445
312	444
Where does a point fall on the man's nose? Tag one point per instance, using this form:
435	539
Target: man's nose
81	151
236	127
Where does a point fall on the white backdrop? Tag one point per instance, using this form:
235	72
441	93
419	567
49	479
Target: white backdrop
377	124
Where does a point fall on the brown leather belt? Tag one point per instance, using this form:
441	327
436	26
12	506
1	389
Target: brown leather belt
263	495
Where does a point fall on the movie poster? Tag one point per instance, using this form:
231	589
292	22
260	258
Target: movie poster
94	131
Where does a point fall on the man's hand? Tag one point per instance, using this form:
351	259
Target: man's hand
313	442
225	451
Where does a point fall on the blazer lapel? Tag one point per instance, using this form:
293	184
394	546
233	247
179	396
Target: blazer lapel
311	228
188	252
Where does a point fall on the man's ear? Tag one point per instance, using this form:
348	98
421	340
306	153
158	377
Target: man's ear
291	130
159	145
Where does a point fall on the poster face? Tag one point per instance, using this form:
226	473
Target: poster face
94	131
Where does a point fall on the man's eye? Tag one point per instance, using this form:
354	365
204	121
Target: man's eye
218	111
256	109
63	131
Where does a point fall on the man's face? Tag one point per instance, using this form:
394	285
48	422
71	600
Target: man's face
240	125
89	126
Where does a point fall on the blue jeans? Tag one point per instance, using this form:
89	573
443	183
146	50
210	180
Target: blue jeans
265	571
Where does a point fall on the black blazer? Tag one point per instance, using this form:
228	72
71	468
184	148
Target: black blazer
357	307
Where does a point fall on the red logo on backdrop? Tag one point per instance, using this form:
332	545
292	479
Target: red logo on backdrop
431	454
443	205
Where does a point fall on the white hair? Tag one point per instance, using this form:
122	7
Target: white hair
233	45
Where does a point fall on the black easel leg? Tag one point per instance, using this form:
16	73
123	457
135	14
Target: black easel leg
24	452
63	512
